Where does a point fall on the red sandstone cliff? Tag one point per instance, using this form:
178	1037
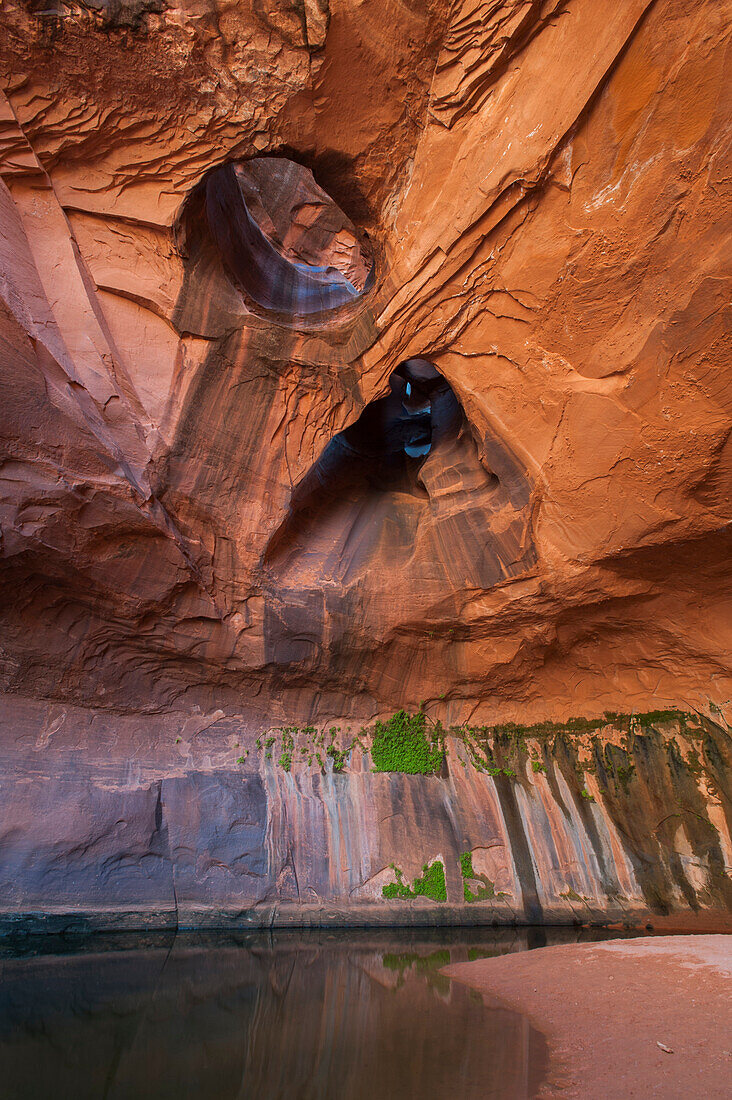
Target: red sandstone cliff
202	512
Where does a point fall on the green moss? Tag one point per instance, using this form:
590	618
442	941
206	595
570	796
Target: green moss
586	794
485	890
403	745
537	766
240	759
431	884
466	865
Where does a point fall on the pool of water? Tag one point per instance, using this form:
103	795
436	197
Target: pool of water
311	1015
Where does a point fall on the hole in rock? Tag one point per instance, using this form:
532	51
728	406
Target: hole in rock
283	241
409	456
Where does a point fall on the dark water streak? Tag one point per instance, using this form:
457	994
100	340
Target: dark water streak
311	1016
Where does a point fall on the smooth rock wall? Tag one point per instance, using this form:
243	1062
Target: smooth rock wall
120	830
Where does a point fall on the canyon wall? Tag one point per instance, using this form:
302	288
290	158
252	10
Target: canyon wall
358	356
108	824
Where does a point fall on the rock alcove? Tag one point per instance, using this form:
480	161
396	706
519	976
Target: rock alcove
404	490
283	242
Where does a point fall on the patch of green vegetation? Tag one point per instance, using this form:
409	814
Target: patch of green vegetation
656	717
338	756
317	747
403	744
480	752
483	894
288	747
480	755
466	865
486	889
412	744
431	884
240	759
584	725
584	793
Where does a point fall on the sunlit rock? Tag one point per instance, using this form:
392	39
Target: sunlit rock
356	357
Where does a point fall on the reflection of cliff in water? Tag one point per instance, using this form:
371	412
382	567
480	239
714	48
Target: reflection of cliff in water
301	1017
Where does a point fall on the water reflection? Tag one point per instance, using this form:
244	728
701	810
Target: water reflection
306	1016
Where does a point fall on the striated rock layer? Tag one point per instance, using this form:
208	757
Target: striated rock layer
176	822
354	356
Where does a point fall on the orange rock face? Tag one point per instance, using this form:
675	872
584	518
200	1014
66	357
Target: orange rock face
225	234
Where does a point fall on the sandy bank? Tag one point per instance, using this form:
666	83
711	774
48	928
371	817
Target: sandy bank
606	1007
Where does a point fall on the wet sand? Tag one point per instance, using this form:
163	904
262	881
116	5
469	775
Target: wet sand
606	1007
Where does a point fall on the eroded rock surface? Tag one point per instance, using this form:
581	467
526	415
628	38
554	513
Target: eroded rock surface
227	500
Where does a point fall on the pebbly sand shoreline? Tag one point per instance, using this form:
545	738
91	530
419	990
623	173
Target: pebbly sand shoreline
624	1018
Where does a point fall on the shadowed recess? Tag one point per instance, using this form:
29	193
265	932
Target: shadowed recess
283	240
405	486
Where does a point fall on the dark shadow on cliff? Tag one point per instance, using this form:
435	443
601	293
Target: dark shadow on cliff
405	487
